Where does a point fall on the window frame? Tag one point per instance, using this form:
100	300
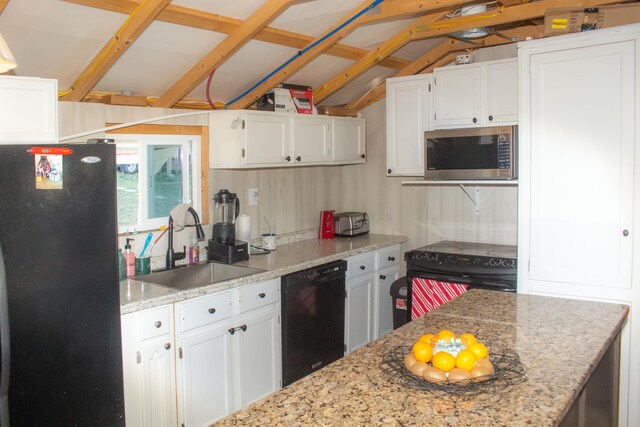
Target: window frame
146	135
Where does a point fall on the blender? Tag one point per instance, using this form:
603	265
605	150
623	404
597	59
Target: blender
223	246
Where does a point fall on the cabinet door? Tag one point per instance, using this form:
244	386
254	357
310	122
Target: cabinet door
359	312
267	138
311	140
457	96
347	140
578	193
157	366
205	376
407	120
28	110
258	354
501	94
383	301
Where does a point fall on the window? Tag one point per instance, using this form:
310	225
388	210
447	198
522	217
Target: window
154	174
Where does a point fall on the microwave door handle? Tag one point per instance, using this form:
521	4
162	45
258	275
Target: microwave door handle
4	345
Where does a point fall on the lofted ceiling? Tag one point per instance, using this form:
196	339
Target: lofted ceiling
165	50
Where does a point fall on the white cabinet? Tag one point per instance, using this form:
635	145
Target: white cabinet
28	110
241	139
255	139
149	367
229	351
409	107
578	178
368	308
348	140
311	139
473	95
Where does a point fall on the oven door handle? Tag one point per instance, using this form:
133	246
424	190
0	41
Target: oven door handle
439	277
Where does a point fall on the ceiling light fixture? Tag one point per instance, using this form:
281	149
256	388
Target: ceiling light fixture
7	61
478	32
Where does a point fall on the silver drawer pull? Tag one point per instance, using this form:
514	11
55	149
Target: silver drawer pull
212	310
158	324
262	295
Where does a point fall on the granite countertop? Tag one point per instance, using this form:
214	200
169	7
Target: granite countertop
560	341
138	295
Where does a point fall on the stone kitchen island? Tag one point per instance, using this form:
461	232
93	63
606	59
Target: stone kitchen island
570	350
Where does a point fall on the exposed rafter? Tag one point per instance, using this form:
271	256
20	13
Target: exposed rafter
499	16
128	33
223	51
329	38
372	58
398	9
208	21
3	3
447	49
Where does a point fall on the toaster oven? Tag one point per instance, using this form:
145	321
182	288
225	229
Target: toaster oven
351	224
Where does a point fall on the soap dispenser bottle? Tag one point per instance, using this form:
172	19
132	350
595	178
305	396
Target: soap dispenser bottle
130	259
194	252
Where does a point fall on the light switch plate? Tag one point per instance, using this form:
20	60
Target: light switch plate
253	196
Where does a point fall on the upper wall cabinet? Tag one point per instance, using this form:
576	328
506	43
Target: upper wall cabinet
255	139
409	106
475	95
28	110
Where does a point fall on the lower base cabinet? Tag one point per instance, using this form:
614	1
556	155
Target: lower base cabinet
224	354
369	313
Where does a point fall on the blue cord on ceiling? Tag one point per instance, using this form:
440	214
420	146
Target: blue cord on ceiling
306	49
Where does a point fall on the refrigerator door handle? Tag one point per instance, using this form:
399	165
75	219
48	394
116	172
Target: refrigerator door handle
4	345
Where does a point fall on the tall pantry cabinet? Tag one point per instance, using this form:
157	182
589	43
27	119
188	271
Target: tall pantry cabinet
579	178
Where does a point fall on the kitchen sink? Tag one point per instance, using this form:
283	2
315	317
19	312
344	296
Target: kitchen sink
195	276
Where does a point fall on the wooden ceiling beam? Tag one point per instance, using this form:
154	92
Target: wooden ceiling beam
223	51
447	49
397	9
211	22
344	27
128	33
499	16
372	58
3	3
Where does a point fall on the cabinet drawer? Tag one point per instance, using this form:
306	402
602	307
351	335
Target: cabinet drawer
360	265
388	257
155	322
202	311
258	295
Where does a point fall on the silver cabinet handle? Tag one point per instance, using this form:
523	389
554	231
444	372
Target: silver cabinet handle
212	310
625	233
167	346
233	330
158	324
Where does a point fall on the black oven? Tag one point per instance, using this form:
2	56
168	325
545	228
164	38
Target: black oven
446	269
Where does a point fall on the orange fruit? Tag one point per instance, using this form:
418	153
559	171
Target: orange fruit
479	349
443	361
468	339
446	335
428	338
422	351
466	360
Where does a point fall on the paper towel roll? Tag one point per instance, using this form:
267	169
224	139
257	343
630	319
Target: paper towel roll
243	228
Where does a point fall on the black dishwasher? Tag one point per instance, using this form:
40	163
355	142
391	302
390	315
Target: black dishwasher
312	319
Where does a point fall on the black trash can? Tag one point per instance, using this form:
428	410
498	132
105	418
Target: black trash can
399	298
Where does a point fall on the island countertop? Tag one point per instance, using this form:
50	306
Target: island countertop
560	341
138	295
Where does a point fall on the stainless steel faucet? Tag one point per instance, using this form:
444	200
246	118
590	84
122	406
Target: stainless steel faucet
173	256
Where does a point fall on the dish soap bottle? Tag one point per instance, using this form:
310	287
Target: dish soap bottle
194	252
130	259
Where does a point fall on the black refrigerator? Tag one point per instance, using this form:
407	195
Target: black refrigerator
59	299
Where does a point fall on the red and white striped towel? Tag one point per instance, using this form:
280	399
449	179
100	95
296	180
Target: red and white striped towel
427	294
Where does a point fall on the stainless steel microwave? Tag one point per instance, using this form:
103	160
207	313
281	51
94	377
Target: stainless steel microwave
472	153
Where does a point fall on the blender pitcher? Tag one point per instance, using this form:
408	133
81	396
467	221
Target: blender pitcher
225	211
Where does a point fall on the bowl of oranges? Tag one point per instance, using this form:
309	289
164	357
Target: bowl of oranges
445	358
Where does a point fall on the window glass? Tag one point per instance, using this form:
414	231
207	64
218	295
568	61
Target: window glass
154	174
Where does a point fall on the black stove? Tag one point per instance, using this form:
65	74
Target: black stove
482	265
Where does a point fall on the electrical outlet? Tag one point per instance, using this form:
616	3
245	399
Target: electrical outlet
253	196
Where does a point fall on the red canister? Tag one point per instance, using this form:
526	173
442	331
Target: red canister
325	231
